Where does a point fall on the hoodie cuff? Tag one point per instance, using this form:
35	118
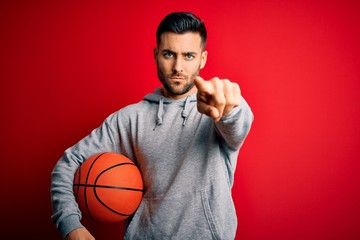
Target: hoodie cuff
231	115
69	224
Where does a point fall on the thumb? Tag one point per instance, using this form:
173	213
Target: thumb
208	110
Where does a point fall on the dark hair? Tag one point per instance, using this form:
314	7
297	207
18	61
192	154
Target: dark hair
182	22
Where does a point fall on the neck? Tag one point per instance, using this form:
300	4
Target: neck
167	94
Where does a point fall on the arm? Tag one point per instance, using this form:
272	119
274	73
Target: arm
222	101
66	213
79	234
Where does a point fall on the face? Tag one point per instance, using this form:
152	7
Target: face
179	58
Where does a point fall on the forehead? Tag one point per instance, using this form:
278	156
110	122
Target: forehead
185	42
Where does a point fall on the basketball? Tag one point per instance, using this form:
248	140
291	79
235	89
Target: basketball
108	187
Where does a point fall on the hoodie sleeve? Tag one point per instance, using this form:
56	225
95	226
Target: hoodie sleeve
234	127
66	214
232	130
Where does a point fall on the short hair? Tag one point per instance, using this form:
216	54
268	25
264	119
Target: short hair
182	22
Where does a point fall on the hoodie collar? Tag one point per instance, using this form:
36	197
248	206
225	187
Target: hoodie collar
158	98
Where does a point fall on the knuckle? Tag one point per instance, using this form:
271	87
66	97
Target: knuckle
222	101
226	81
214	80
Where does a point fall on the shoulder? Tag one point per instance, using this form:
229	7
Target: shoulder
130	110
135	108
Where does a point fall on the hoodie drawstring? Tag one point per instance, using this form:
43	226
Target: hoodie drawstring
185	111
160	112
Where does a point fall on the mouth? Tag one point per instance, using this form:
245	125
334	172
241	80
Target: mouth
177	77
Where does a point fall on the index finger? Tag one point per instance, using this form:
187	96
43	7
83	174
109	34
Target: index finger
202	85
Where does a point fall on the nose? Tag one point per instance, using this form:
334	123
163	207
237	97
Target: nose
177	67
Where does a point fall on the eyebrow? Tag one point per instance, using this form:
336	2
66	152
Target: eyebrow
172	52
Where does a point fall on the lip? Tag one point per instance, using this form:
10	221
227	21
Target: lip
177	78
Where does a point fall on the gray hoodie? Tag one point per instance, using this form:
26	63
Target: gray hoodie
187	162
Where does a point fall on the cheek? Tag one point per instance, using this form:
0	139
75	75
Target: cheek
164	66
193	68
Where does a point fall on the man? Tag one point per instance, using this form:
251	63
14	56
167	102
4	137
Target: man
185	137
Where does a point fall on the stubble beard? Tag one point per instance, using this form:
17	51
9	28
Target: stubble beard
177	87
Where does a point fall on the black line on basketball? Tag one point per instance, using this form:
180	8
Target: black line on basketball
106	186
86	181
96	195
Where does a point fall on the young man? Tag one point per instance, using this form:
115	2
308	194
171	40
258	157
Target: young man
185	137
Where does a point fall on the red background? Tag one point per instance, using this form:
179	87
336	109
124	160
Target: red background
65	66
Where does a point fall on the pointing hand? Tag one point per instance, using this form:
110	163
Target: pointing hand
217	97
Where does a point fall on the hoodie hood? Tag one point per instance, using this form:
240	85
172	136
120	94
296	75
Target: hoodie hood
158	98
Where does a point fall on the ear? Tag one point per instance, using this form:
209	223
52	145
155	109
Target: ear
203	59
156	51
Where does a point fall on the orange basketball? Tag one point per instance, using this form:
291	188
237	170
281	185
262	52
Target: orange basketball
108	187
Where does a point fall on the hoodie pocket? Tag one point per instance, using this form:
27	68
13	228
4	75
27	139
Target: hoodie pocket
185	216
209	215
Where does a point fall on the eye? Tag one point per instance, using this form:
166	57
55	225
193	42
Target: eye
168	55
189	56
